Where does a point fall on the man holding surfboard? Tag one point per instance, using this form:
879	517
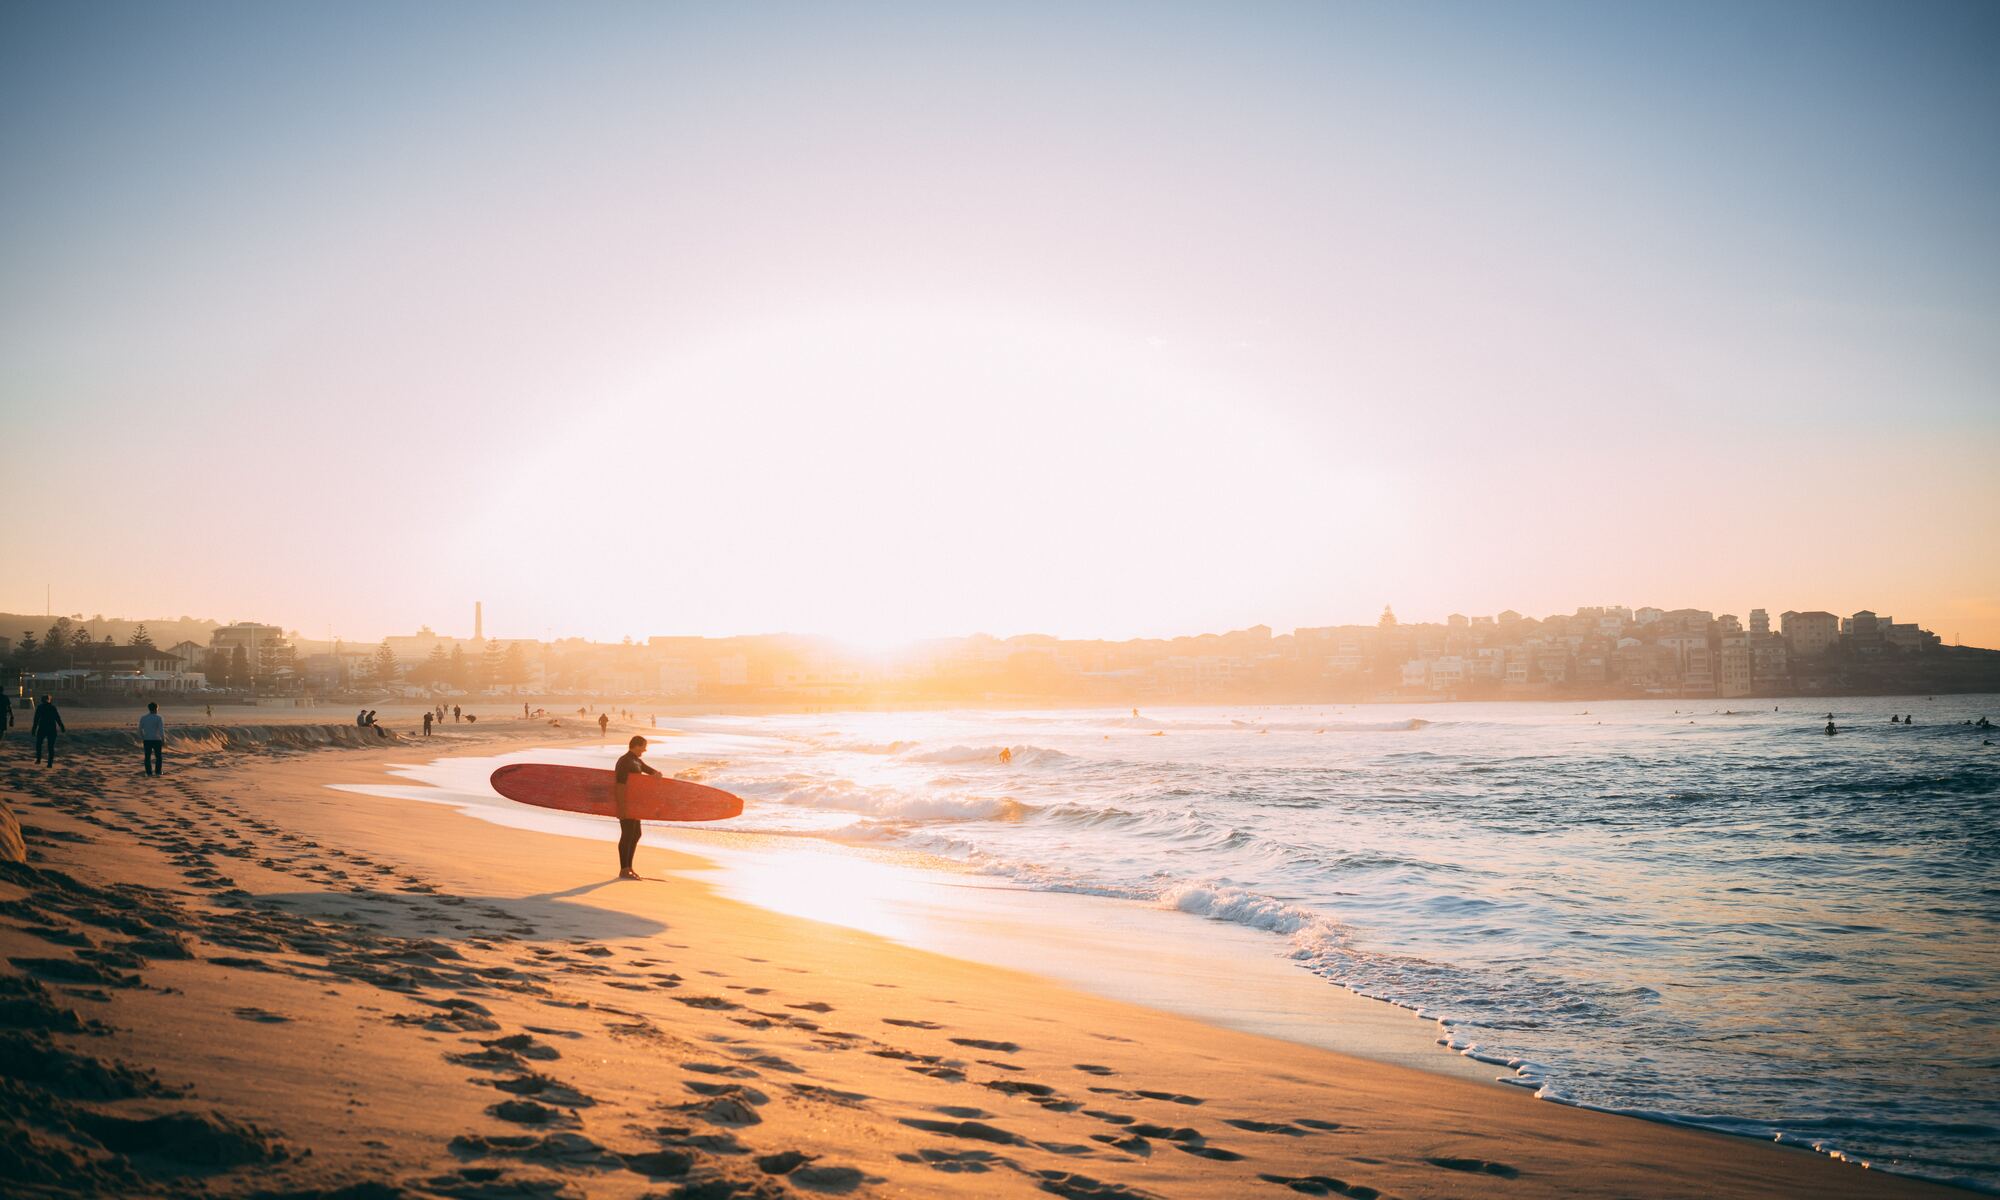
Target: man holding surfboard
634	792
629	764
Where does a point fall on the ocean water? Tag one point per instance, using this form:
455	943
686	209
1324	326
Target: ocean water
1662	908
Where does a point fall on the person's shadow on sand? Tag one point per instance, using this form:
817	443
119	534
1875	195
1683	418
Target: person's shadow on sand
548	917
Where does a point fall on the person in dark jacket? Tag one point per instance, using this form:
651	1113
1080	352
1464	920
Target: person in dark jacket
630	763
6	714
46	724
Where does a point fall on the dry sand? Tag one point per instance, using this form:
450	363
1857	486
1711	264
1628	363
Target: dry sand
235	981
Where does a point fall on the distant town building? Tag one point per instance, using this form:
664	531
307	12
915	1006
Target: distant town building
251	636
1810	634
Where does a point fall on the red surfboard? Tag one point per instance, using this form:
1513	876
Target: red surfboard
588	790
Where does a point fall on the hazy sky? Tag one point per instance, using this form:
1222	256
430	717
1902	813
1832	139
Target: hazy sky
1097	320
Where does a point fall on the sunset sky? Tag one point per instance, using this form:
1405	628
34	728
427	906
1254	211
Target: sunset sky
890	321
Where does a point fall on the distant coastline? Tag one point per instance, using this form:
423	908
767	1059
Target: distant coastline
1591	655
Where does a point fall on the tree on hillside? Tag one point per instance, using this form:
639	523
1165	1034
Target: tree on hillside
459	675
56	645
385	666
140	637
435	670
515	668
493	664
28	652
239	667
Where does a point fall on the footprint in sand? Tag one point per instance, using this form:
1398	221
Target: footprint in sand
1169	1097
1476	1166
544	1089
1214	1152
978	1131
1278	1127
832	1095
906	1024
523	1045
707	1068
1094	1069
1071	1186
955	1162
261	1016
983	1044
529	1112
735	1091
1322	1185
1019	1087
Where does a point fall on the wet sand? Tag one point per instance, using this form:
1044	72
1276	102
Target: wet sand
238	981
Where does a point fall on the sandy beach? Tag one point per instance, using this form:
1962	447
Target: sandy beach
235	980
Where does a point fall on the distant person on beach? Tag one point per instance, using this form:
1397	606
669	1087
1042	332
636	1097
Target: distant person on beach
6	714
603	723
153	739
524	710
629	763
45	725
427	723
361	718
455	712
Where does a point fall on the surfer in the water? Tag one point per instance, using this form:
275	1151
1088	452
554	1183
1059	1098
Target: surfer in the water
630	763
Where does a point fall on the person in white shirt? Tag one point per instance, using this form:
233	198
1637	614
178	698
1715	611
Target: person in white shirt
153	732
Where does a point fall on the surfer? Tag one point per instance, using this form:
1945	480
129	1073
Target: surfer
629	763
1006	755
1830	728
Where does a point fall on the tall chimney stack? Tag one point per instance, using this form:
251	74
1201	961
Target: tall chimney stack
478	621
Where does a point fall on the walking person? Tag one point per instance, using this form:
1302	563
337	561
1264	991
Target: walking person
454	712
630	763
153	738
46	724
427	723
603	724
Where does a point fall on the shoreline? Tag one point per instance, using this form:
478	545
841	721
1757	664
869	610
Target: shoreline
292	710
1235	1106
1120	949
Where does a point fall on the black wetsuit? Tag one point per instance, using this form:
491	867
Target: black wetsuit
629	763
47	724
